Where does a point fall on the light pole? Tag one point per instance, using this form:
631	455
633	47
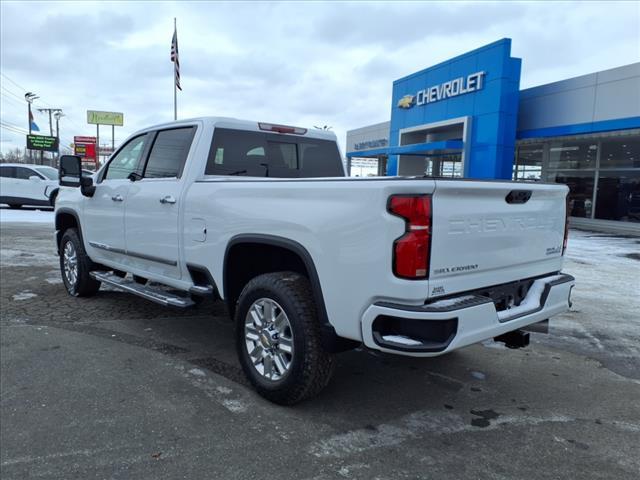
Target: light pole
50	111
58	115
30	97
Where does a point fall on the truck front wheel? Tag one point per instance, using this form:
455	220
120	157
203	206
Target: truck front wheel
278	338
75	266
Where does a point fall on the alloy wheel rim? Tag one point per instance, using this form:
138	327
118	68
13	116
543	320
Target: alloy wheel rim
70	263
269	339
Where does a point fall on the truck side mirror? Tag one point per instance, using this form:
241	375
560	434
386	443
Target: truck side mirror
70	175
70	171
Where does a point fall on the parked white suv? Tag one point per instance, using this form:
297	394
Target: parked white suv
25	184
310	262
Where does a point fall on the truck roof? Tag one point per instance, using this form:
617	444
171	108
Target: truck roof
238	124
28	165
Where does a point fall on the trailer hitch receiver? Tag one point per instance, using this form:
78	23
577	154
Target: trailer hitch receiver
514	339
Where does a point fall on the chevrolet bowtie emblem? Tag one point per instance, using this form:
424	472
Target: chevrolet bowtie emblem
407	101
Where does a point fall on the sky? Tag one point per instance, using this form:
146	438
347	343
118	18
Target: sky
296	63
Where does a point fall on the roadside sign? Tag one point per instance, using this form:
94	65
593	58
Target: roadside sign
105	151
42	142
96	117
83	139
85	147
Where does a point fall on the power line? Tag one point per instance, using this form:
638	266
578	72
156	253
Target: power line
11	124
15	83
7	98
23	90
10	92
12	129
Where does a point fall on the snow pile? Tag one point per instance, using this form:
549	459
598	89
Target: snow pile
531	301
26	216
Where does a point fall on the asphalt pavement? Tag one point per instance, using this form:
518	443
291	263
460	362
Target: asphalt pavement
118	387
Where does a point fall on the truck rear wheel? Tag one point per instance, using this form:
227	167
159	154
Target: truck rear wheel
75	266
278	338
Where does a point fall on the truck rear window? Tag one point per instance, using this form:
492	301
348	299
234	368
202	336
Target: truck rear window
262	154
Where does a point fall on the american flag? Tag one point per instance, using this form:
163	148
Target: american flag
175	59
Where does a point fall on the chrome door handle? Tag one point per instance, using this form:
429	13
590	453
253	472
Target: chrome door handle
168	199
117	198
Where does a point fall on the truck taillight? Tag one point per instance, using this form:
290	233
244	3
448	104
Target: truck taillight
411	251
566	226
270	127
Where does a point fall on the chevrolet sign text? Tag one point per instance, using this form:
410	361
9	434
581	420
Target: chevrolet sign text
452	88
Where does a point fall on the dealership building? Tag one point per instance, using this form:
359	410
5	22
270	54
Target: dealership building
467	117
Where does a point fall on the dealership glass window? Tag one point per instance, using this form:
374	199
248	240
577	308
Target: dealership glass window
620	152
529	162
618	196
580	190
449	166
578	154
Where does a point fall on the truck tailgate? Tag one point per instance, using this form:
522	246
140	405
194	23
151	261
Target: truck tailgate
489	233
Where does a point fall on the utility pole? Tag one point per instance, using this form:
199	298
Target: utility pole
30	97
50	111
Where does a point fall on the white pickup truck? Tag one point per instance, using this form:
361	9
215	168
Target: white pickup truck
308	261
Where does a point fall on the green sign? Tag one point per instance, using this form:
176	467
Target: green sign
105	118
42	142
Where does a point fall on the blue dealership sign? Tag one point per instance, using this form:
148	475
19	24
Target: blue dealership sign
482	87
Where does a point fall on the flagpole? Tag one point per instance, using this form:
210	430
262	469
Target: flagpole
175	87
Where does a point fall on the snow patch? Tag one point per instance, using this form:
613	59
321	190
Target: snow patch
197	372
478	375
401	339
234	406
24	295
224	390
448	302
494	344
412	426
19	258
26	216
531	301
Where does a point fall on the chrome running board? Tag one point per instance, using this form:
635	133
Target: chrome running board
154	294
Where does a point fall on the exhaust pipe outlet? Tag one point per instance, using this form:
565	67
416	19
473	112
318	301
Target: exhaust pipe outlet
515	339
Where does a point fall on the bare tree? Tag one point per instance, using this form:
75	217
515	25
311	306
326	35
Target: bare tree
16	155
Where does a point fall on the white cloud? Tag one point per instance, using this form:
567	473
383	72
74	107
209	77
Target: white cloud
302	63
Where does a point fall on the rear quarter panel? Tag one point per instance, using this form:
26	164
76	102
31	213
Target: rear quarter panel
342	223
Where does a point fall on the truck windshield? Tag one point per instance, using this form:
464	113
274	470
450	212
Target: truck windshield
262	154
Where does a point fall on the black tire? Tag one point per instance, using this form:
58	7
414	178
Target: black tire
311	367
83	285
15	205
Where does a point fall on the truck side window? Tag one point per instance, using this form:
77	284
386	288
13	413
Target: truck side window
23	173
8	172
126	160
169	153
242	152
237	152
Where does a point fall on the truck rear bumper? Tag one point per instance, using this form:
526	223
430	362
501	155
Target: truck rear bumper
446	325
